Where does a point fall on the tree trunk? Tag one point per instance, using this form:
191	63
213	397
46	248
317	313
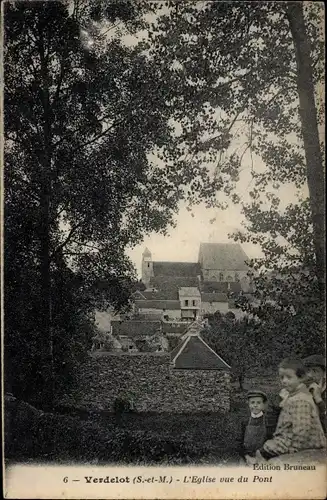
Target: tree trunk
45	208
309	123
241	380
45	313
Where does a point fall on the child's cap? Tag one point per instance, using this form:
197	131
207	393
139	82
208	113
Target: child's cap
315	360
254	394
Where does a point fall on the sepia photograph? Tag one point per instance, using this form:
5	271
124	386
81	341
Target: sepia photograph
163	249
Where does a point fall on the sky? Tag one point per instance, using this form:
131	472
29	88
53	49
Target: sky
205	224
182	243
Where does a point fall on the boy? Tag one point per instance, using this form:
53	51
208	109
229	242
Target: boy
299	427
254	429
316	382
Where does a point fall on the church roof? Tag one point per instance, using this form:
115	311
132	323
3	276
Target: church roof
224	256
158	304
194	354
173	269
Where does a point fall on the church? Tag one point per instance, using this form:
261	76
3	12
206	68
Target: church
217	262
187	290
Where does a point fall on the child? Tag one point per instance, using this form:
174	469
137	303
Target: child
299	427
316	383
254	430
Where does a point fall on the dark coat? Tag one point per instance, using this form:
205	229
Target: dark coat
271	418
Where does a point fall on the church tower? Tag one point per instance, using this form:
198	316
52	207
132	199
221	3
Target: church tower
147	267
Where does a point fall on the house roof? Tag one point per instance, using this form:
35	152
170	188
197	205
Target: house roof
222	256
195	328
176	269
170	327
220	286
158	304
134	328
168	286
189	291
194	354
159	295
149	316
214	297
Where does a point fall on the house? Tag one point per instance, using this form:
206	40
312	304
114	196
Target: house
190	303
212	302
161	308
144	336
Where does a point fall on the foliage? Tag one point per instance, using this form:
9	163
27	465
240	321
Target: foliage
79	128
262	340
103	139
236	68
147	439
122	405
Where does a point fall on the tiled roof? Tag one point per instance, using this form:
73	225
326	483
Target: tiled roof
194	354
220	286
176	269
168	327
158	304
148	316
159	295
224	256
187	291
214	297
134	328
169	286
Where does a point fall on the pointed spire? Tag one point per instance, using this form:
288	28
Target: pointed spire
146	253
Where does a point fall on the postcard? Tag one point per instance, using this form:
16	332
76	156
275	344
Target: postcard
163	250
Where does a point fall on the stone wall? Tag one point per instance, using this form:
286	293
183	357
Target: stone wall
151	382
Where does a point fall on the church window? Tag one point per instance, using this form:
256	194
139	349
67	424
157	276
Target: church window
186	302
221	276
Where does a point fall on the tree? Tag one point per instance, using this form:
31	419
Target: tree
310	133
248	65
79	127
256	67
239	342
256	343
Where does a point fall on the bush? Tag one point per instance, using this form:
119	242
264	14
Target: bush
122	405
